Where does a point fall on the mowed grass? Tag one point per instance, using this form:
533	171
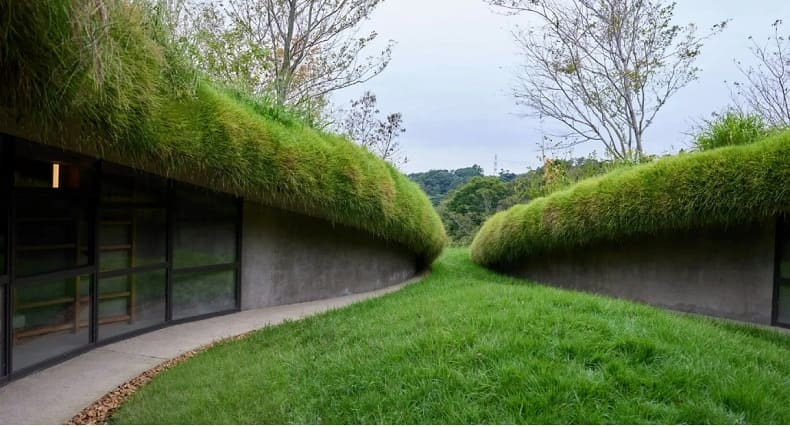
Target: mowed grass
466	345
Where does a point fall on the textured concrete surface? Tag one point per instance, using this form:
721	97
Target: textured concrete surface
723	273
54	395
289	258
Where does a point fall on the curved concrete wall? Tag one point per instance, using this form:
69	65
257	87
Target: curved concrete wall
289	258
725	273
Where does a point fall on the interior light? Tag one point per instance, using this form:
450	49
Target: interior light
55	175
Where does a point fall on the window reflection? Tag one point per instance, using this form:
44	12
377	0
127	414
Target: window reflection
49	318
131	302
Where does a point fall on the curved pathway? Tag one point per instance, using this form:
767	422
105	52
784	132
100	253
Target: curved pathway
55	394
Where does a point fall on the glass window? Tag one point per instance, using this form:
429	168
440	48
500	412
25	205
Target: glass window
205	229
52	208
49	318
127	186
132	237
52	174
195	294
52	234
129	303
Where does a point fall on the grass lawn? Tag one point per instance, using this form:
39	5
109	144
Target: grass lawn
469	346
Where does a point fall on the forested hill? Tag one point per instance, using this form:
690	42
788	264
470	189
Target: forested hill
465	197
438	182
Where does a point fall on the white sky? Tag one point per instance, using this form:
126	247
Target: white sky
453	66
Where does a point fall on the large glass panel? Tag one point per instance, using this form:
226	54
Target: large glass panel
52	207
195	294
132	237
52	234
49	319
129	303
205	229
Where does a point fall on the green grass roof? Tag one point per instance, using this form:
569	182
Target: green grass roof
92	77
718	188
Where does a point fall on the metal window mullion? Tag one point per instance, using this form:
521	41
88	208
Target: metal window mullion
169	235
95	256
781	223
239	239
132	270
206	268
8	182
51	276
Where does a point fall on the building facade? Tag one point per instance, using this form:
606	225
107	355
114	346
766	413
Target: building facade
92	252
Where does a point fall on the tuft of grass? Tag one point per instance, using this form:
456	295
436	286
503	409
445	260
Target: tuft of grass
717	188
101	78
730	128
468	346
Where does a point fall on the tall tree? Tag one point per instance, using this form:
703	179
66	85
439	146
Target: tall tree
765	89
313	46
603	68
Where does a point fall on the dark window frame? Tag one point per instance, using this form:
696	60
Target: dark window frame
7	187
782	232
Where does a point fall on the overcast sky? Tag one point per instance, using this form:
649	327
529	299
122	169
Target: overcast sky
453	67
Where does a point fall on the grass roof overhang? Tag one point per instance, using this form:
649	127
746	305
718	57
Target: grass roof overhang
720	188
90	76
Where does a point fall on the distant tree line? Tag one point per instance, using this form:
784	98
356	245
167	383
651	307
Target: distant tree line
465	198
438	182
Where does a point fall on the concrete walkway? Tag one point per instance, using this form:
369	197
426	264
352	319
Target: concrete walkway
55	394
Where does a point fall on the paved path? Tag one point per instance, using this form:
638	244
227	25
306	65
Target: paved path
55	394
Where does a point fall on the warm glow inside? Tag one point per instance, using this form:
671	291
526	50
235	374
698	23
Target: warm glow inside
55	175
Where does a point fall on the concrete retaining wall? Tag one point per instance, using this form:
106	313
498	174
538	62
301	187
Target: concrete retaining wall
289	258
720	273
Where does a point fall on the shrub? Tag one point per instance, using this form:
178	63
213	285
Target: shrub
730	128
719	188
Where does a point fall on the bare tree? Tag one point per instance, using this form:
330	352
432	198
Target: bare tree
362	125
313	45
387	145
361	121
603	68
765	89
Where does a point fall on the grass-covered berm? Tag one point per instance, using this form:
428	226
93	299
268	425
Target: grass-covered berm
469	346
106	78
720	188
